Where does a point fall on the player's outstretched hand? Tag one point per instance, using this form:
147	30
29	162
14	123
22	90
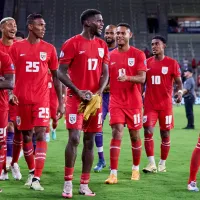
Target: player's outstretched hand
85	95
13	100
178	98
122	78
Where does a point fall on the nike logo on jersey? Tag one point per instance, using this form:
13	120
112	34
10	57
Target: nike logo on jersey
136	125
81	52
112	63
22	54
148	69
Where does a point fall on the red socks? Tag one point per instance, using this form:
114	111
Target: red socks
85	178
136	152
2	158
149	144
165	147
114	153
195	162
69	173
40	157
28	155
17	145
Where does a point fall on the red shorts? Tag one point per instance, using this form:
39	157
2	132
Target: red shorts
74	120
131	117
31	115
165	117
12	112
3	126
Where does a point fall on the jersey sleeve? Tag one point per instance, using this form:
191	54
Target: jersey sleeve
67	52
53	62
177	70
13	53
7	65
141	62
106	57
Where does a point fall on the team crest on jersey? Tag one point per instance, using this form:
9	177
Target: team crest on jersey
101	52
18	120
43	56
131	62
72	118
144	119
164	70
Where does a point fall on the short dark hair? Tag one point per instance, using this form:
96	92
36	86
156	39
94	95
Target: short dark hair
19	34
88	13
125	25
159	37
32	17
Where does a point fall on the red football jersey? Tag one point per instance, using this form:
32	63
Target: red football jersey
3	47
6	67
85	58
32	62
159	82
126	94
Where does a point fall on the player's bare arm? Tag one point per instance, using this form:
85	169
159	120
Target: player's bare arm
179	87
64	78
139	78
7	82
58	88
104	79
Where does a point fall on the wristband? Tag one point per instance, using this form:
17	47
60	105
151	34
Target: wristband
181	92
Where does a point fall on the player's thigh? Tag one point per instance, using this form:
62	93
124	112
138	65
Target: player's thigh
150	118
133	118
74	120
24	117
117	116
3	126
94	123
41	114
166	119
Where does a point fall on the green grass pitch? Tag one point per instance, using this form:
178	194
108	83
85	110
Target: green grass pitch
170	185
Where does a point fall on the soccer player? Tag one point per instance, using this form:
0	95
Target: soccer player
53	109
162	72
127	71
111	43
194	168
6	82
8	28
32	58
84	58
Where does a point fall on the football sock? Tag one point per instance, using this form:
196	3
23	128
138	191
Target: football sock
17	145
136	152
85	178
28	155
195	163
69	171
40	157
99	144
114	153
2	157
9	141
165	147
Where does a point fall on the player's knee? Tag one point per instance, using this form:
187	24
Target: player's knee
74	140
164	133
10	127
117	132
148	131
